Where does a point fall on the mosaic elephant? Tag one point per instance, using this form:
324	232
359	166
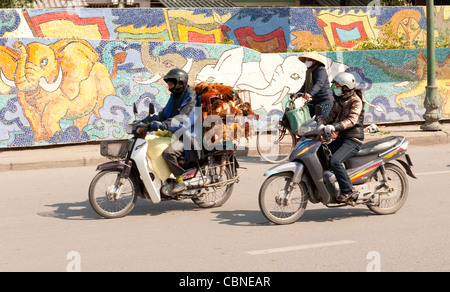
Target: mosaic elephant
8	65
64	80
162	64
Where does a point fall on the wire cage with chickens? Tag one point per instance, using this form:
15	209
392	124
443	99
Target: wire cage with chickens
226	117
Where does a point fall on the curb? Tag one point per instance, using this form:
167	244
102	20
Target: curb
89	154
83	161
418	138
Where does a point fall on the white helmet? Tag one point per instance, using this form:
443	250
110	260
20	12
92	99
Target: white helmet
345	79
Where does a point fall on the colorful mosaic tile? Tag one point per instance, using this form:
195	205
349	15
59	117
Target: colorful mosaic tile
91	65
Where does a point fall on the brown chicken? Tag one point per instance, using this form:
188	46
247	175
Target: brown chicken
221	100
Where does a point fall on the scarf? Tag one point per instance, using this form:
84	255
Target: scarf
309	83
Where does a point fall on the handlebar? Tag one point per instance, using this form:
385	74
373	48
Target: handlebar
312	129
133	129
294	96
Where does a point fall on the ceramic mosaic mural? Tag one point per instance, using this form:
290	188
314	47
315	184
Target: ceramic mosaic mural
70	76
263	29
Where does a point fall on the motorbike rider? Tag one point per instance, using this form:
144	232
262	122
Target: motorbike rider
316	88
173	117
346	121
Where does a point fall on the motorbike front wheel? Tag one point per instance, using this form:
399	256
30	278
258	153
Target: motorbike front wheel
110	197
282	201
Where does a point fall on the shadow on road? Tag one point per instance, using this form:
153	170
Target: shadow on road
256	218
330	215
254	159
71	211
84	211
240	217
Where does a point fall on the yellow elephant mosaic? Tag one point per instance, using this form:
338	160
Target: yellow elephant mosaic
63	80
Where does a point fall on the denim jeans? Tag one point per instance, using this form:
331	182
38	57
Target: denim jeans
342	150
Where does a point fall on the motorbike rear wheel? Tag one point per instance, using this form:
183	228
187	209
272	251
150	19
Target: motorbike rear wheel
394	198
217	195
280	200
105	198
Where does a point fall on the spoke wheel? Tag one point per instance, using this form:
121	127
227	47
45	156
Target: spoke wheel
110	199
394	194
281	201
217	195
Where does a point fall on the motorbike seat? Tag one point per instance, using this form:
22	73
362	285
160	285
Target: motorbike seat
379	146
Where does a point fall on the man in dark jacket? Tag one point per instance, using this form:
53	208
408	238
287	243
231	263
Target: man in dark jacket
178	117
316	88
345	119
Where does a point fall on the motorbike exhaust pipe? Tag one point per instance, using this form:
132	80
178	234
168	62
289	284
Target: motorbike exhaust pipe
197	182
191	184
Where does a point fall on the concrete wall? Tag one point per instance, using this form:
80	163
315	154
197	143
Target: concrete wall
116	57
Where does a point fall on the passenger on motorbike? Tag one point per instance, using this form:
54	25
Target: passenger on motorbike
178	114
316	88
346	118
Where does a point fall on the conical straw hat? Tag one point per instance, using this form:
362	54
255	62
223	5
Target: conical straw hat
313	55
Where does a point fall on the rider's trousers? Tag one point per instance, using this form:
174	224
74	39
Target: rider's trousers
171	155
342	150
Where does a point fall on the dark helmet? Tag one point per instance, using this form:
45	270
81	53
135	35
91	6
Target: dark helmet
178	77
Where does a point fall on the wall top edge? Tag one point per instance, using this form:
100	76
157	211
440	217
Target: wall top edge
232	8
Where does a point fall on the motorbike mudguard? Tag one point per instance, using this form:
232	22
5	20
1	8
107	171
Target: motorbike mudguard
296	168
110	165
138	155
406	162
117	165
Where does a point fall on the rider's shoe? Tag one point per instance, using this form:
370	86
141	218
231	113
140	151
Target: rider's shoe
349	197
178	188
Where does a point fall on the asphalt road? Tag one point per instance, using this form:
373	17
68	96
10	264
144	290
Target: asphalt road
47	224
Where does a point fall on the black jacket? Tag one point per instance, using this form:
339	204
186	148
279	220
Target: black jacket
321	91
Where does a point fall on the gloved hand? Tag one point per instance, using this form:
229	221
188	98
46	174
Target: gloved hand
329	129
141	130
155	125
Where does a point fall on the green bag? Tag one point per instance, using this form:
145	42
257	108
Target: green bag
297	117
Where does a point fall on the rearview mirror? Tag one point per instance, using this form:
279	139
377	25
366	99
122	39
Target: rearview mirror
151	109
